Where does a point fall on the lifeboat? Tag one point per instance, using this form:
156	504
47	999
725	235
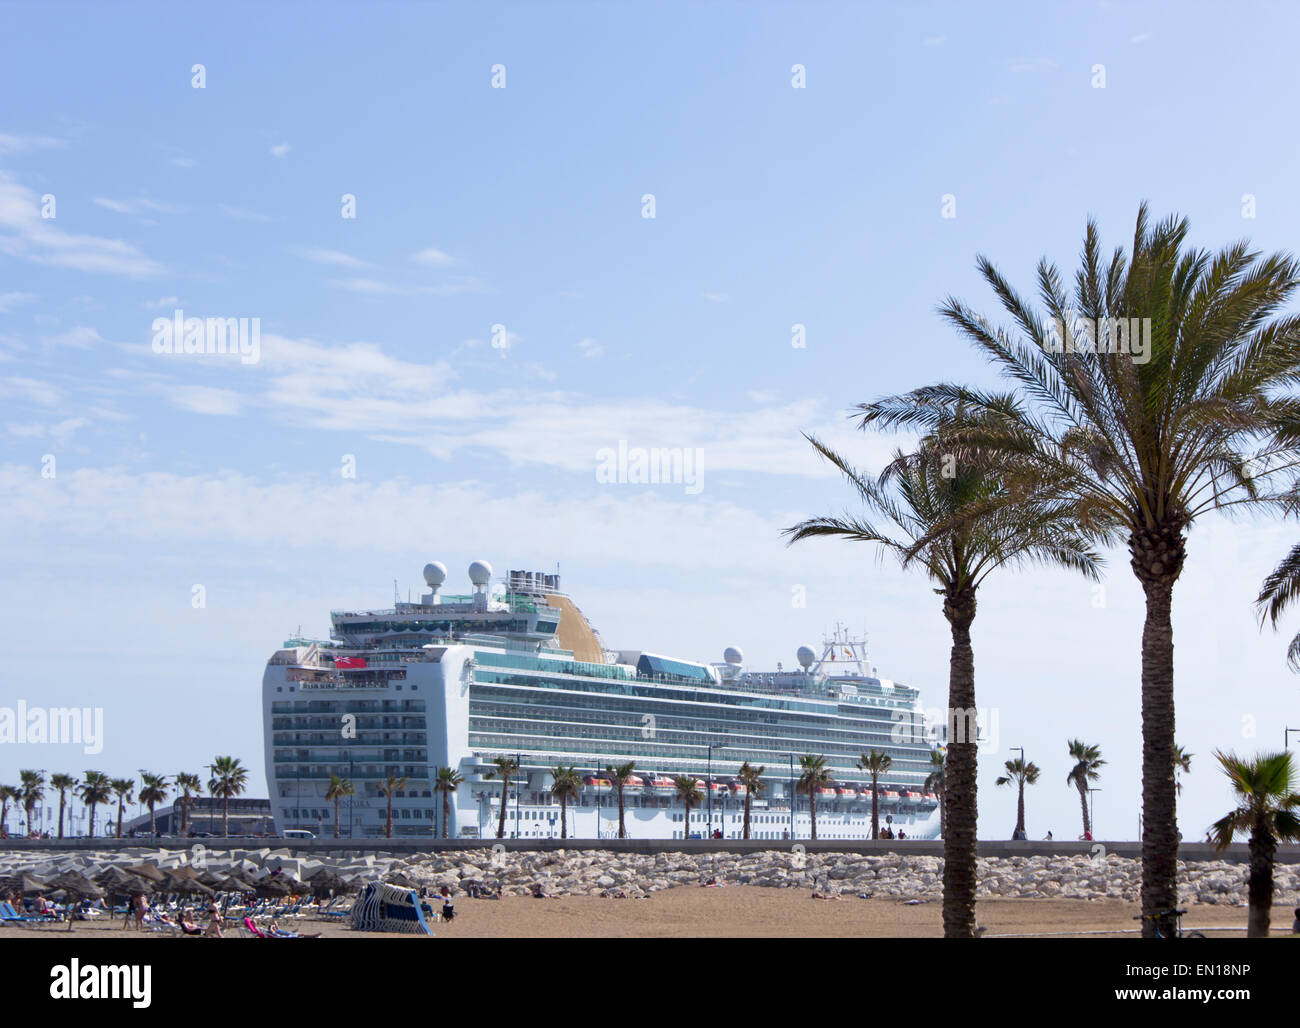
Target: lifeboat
662	786
633	784
738	790
845	793
826	794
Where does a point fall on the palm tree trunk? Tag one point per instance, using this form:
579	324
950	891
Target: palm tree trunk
943	817
388	825
1157	559
1259	887
91	834
622	832
119	817
61	802
746	834
336	817
1083	802
959	846
1020	810
812	809
153	822
875	809
225	816
501	825
564	820
446	812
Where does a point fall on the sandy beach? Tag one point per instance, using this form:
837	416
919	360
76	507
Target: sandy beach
751	912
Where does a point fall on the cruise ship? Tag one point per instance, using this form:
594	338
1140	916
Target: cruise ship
514	669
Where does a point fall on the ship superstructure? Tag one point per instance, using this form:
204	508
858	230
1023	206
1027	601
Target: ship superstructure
515	670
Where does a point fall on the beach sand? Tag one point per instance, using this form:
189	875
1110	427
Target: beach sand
749	911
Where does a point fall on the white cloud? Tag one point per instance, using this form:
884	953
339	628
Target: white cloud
241	213
433	257
162	303
376	287
336	257
204	399
138	205
26	235
82	337
38	392
590	348
1141	37
8	301
183	162
715	297
10	144
1020	65
280	150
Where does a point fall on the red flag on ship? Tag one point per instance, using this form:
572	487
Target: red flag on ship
349	662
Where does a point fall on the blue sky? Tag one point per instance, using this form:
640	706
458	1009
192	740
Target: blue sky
522	207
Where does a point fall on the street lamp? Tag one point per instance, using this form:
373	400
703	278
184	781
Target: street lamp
1286	737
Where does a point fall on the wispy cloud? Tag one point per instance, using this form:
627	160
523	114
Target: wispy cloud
377	287
335	257
280	150
162	303
8	301
590	348
11	144
934	40
715	297
434	257
1021	65
241	213
1141	37
138	205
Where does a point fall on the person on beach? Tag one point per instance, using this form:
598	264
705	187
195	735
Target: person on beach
1295	925
137	910
215	921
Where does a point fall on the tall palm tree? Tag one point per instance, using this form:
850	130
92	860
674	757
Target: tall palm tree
122	789
1020	774
752	779
153	790
95	789
1143	438
875	764
388	786
921	495
446	783
190	785
33	788
8	794
934	782
63	782
505	769
1087	765
337	790
1269	810
1182	765
690	796
229	777
813	775
619	776
1279	592
566	786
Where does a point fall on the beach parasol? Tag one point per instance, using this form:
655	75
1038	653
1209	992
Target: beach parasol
184	884
77	884
147	871
26	885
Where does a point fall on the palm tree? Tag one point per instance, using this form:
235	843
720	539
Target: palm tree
190	785
1142	438
567	785
336	790
752	779
875	764
691	797
1266	787
8	794
95	789
505	768
447	782
1182	764
1087	762
229	778
813	776
1020	774
388	786
122	788
153	790
920	494
1277	593
63	782
934	783
33	789
619	776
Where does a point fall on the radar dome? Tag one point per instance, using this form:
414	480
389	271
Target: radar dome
480	572
435	574
732	655
805	656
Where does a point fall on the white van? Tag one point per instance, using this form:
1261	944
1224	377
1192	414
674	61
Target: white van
297	833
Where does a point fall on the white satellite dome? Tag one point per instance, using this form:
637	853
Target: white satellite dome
805	657
480	572
732	655
435	574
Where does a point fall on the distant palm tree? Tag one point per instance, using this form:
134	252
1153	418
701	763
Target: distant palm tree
690	796
619	776
8	794
813	776
925	498
388	786
1279	592
752	779
63	782
934	783
1142	436
153	790
229	777
1087	762
122	788
566	786
33	787
1182	765
96	788
1269	808
1020	774
190	785
447	782
875	764
505	769
337	789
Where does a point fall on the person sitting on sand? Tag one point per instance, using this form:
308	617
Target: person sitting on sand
1295	925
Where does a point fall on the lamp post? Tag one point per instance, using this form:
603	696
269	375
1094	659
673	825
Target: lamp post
1286	737
709	784
519	766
